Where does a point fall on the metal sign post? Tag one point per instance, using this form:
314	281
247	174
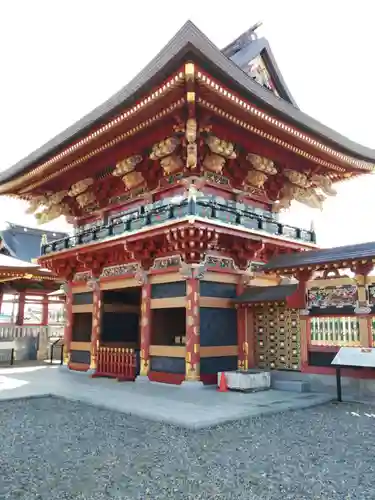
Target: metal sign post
352	357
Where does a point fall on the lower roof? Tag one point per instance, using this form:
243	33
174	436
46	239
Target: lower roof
24	243
318	258
265	294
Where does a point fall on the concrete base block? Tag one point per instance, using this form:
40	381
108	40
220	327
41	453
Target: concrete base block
291	385
142	379
42	354
250	380
192	384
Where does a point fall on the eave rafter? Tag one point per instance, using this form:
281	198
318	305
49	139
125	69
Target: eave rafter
362	266
42	170
279	126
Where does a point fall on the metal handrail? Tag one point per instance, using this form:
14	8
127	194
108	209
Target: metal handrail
143	217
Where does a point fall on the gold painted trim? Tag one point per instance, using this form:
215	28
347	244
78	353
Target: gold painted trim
80	289
172	83
166	278
84	308
121	308
80	346
270	137
217	277
219	351
119	284
258	113
141	126
264	281
330	282
168	303
216	302
168	351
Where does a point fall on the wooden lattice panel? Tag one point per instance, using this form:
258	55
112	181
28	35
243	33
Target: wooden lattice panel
277	337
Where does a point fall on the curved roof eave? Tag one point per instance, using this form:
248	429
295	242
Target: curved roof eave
190	39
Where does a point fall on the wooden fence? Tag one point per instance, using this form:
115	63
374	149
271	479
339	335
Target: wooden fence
116	362
11	331
335	331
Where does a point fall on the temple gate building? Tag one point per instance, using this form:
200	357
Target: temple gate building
174	187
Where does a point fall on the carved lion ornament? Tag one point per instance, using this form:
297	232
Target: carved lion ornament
262	169
80	187
214	163
171	164
309	190
221	147
219	152
85	199
307	196
164	148
126	170
262	164
256	179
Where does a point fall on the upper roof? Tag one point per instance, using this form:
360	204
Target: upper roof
317	258
25	242
191	42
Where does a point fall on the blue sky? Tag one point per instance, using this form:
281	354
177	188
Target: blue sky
63	58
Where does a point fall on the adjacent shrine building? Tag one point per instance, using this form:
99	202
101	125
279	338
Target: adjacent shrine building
174	186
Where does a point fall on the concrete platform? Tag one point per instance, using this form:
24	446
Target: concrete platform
158	402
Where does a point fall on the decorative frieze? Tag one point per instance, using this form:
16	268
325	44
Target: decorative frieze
339	296
165	263
120	270
83	276
371	294
213	262
190	271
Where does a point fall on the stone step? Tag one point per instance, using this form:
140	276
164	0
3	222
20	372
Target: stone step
290	385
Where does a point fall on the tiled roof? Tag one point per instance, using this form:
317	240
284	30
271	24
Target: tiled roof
318	258
24	243
11	262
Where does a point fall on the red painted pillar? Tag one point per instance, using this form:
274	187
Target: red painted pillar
96	323
21	308
243	346
305	338
68	330
45	310
193	344
145	327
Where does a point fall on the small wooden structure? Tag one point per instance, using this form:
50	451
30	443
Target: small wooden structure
26	308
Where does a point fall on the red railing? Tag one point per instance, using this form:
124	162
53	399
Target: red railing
116	362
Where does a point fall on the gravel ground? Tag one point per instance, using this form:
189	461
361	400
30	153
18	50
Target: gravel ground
52	449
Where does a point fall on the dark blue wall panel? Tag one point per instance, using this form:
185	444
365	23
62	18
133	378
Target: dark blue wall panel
80	357
170	365
218	326
214	365
168	290
80	299
222	290
120	327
